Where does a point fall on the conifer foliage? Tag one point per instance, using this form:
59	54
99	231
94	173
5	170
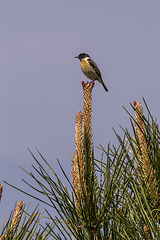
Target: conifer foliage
115	197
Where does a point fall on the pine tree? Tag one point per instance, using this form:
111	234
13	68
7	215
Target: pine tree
116	197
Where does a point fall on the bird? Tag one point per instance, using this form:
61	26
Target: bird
90	68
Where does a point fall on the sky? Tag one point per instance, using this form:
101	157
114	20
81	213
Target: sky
40	80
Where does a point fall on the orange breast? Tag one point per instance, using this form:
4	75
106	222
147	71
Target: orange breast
88	70
85	65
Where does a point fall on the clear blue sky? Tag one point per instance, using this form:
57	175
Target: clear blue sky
40	81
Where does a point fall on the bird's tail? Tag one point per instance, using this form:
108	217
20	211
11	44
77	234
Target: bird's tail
101	81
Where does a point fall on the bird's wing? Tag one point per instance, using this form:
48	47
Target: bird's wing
95	67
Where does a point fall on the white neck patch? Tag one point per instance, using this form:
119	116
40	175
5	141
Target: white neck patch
86	58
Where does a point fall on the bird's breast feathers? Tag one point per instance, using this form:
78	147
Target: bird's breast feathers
88	70
85	65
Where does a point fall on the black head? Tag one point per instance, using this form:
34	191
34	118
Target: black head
82	56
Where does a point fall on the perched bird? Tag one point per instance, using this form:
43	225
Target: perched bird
90	69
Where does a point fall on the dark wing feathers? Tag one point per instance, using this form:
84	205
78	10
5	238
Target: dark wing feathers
95	67
97	71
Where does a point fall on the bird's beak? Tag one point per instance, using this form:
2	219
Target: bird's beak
76	57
